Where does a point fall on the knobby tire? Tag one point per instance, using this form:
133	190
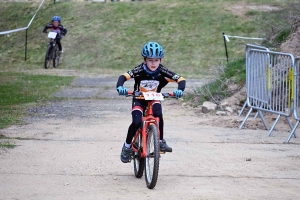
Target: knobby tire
152	159
55	57
138	161
47	57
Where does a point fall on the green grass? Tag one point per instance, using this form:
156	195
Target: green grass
106	38
217	90
19	90
282	36
6	144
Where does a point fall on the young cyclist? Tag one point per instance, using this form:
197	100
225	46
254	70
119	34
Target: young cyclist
57	27
150	75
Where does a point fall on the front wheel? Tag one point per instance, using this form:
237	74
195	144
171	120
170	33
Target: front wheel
152	159
56	58
47	57
138	161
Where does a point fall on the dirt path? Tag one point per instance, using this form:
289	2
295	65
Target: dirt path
70	150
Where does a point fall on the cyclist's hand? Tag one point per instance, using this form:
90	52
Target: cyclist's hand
178	93
122	91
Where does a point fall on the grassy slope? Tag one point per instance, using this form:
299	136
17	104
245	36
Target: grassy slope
106	38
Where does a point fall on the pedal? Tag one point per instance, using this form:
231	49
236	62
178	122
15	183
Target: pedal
162	152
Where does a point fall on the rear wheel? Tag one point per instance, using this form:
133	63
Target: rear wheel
152	159
47	57
55	57
138	161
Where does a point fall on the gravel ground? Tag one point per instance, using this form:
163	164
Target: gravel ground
70	148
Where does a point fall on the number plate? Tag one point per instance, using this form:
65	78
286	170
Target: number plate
153	96
52	35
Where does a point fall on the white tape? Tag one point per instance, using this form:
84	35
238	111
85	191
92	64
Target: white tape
239	37
226	38
21	29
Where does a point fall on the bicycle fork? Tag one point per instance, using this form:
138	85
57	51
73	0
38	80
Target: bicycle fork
51	54
142	152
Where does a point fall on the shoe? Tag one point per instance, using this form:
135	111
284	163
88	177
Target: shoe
126	154
164	147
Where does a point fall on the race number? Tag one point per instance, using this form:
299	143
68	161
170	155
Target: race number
52	35
153	96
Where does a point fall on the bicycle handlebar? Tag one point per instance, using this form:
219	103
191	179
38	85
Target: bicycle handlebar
139	95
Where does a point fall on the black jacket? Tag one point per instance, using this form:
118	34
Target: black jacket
60	29
145	82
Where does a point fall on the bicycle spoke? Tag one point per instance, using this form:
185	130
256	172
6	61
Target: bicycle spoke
47	57
138	161
152	159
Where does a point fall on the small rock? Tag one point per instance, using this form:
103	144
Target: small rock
229	109
248	159
222	113
225	103
208	106
221	108
115	178
228	113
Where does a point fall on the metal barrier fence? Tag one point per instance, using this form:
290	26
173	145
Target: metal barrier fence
296	98
248	48
270	84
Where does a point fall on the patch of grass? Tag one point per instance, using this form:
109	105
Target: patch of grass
18	91
6	144
282	36
234	73
276	25
251	13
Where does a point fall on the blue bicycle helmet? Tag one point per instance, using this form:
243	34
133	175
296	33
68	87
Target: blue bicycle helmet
56	18
152	50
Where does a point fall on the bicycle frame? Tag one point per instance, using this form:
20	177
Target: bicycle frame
147	120
52	42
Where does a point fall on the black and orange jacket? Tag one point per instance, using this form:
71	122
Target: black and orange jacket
145	82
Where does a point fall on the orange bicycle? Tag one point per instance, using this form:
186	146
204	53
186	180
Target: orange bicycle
145	144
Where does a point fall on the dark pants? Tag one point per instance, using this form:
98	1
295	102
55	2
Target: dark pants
137	113
58	43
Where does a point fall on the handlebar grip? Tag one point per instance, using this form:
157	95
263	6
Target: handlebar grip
172	94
